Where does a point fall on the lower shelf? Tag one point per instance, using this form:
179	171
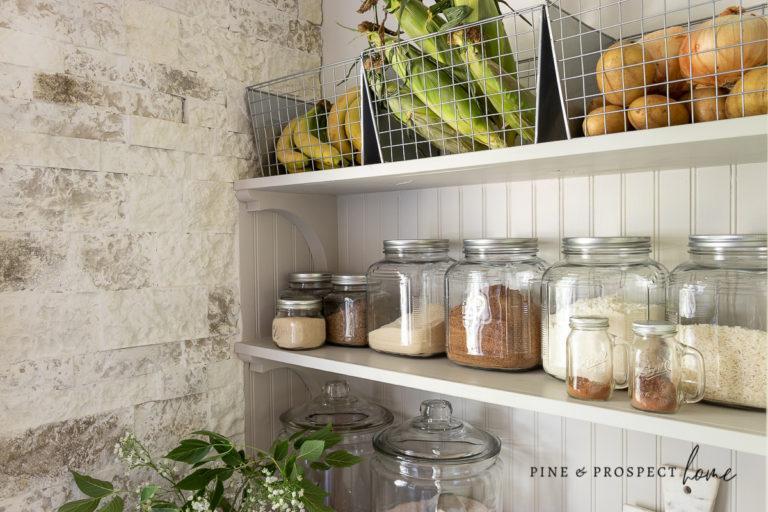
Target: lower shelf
724	427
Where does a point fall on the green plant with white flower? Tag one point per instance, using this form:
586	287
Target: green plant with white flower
209	473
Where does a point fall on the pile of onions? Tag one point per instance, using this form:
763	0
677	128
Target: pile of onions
663	47
712	54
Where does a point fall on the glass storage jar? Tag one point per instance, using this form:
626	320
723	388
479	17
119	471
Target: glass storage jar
663	373
436	462
493	310
406	312
718	299
344	310
298	324
302	285
613	277
357	421
591	358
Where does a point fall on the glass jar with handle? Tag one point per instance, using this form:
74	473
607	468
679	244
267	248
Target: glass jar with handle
593	359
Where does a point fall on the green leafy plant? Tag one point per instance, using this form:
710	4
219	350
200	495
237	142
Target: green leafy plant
209	472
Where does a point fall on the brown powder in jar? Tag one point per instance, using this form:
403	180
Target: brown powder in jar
654	393
346	324
506	334
585	389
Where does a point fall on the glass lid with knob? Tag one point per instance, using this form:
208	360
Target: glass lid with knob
437	436
335	405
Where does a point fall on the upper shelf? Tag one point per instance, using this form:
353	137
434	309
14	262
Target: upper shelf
730	141
707	424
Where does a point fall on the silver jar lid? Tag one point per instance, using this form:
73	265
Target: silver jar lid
299	304
715	244
607	245
416	246
653	327
501	246
348	279
588	322
309	277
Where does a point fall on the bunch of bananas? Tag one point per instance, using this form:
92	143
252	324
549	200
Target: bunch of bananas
326	137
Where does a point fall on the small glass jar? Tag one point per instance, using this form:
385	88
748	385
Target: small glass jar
436	462
345	312
357	421
591	358
663	373
298	324
719	300
406	298
303	285
613	277
494	313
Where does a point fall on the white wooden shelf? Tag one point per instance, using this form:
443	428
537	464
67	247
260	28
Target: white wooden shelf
730	141
734	429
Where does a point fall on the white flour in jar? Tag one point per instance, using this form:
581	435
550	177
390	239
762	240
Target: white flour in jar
620	316
421	333
298	332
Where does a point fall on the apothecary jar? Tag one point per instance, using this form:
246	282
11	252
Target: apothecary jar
494	310
612	277
436	462
718	300
357	421
406	299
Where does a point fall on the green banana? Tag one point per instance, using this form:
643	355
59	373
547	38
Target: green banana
310	138
294	161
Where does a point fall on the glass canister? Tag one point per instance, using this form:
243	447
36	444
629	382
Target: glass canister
345	312
436	462
613	277
663	373
493	310
591	358
298	324
719	298
302	285
406	298
357	421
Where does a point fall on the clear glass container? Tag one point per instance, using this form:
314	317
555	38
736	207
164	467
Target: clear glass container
494	310
719	299
345	311
303	285
406	298
436	462
357	421
663	373
298	324
591	358
613	277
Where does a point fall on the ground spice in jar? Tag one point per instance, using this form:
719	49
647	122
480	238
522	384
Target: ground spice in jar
654	393
502	332
345	323
586	389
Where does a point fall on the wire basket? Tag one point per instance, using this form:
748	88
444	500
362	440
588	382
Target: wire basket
638	64
309	121
459	90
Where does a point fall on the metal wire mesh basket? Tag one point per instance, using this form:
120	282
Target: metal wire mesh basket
459	90
637	64
308	121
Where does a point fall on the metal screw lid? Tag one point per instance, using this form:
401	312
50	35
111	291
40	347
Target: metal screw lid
416	246
348	279
651	327
607	245
714	244
299	304
309	277
501	246
588	322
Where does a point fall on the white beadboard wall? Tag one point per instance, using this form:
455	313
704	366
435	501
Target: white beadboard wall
668	205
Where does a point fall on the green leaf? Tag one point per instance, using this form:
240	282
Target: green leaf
325	434
218	493
280	449
88	505
189	451
116	505
319	466
197	479
341	459
311	450
91	486
164	506
148	492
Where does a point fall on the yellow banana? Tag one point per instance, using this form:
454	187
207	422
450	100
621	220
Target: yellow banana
337	134
352	126
294	161
311	139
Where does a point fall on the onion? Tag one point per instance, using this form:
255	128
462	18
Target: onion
623	71
708	103
609	119
663	47
755	103
712	53
655	111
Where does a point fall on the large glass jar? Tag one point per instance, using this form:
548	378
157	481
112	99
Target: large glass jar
436	462
613	277
357	421
302	285
345	312
406	297
298	324
493	310
718	298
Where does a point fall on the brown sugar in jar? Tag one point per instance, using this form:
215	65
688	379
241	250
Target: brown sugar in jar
586	389
655	393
